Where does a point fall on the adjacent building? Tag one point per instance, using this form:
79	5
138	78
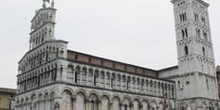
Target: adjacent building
52	77
7	98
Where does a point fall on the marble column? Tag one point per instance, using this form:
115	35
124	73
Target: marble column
104	79
121	106
110	105
87	103
116	82
131	106
155	88
99	104
80	76
74	103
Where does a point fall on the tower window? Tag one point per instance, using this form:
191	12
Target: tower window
183	33
186	32
203	20
203	51
186	50
183	17
196	17
36	41
198	33
178	84
42	39
207	83
205	36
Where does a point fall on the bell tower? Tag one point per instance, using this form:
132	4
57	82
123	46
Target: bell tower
197	76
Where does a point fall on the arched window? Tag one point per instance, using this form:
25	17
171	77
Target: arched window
77	73
127	85
95	80
196	17
203	20
185	16
183	33
186	32
155	84
207	83
198	33
181	17
186	50
36	41
162	86
203	51
179	84
205	36
112	82
42	39
172	91
151	84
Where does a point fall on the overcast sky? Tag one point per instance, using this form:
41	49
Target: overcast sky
139	32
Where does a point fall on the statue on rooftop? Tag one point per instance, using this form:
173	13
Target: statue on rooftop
48	1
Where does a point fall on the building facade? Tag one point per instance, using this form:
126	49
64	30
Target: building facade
51	77
7	98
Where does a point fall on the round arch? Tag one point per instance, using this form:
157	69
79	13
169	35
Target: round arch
107	95
128	97
67	89
116	96
81	91
95	93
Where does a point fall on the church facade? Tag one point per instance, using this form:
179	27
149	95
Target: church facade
52	77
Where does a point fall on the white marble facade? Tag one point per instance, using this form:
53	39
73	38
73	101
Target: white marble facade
49	79
84	87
